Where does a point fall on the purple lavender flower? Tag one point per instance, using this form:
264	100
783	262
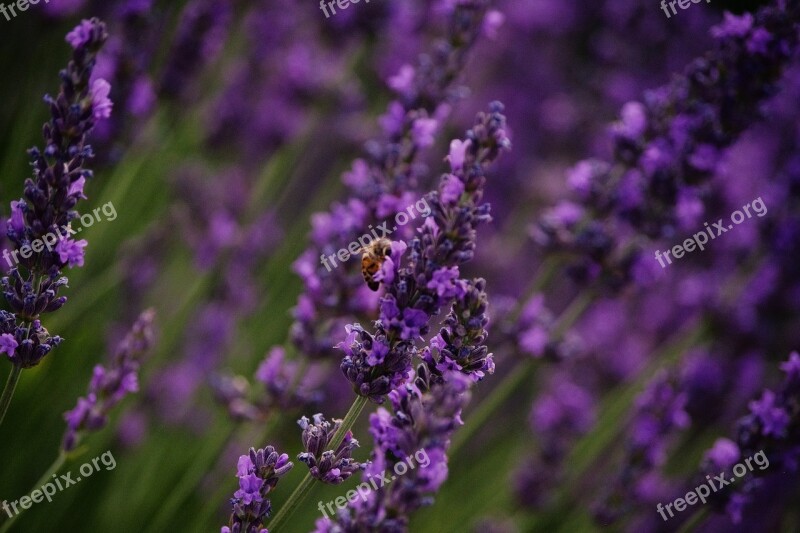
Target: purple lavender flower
224	237
126	61
773	418
416	433
8	344
667	147
202	30
328	466
109	385
660	411
771	430
32	284
461	343
278	386
258	473
558	418
380	362
379	186
82	34
71	252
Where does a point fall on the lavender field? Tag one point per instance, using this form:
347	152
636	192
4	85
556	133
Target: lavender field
490	266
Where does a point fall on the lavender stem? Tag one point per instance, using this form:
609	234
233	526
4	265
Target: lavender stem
57	464
302	489
8	391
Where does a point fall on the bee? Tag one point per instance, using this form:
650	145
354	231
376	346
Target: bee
372	257
42	335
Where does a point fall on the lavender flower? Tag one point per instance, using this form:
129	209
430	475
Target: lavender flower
773	428
667	148
129	54
326	465
381	185
460	345
218	228
660	410
202	30
422	423
258	473
558	418
31	286
376	364
279	387
109	385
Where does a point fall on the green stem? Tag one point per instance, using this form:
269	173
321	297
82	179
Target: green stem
294	501
8	391
58	463
302	490
349	419
695	520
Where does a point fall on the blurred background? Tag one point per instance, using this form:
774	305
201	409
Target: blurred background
233	136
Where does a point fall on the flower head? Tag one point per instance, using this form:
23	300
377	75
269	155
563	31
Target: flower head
328	466
31	286
429	280
259	472
111	383
71	252
81	34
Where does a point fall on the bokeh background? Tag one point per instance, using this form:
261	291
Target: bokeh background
233	125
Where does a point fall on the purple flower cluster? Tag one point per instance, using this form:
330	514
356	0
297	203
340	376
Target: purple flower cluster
202	30
613	351
421	420
329	466
109	385
668	147
125	62
670	166
772	427
213	216
378	363
258	473
281	387
558	417
31	286
382	184
660	411
460	345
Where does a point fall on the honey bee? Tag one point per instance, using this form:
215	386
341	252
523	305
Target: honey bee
372	257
